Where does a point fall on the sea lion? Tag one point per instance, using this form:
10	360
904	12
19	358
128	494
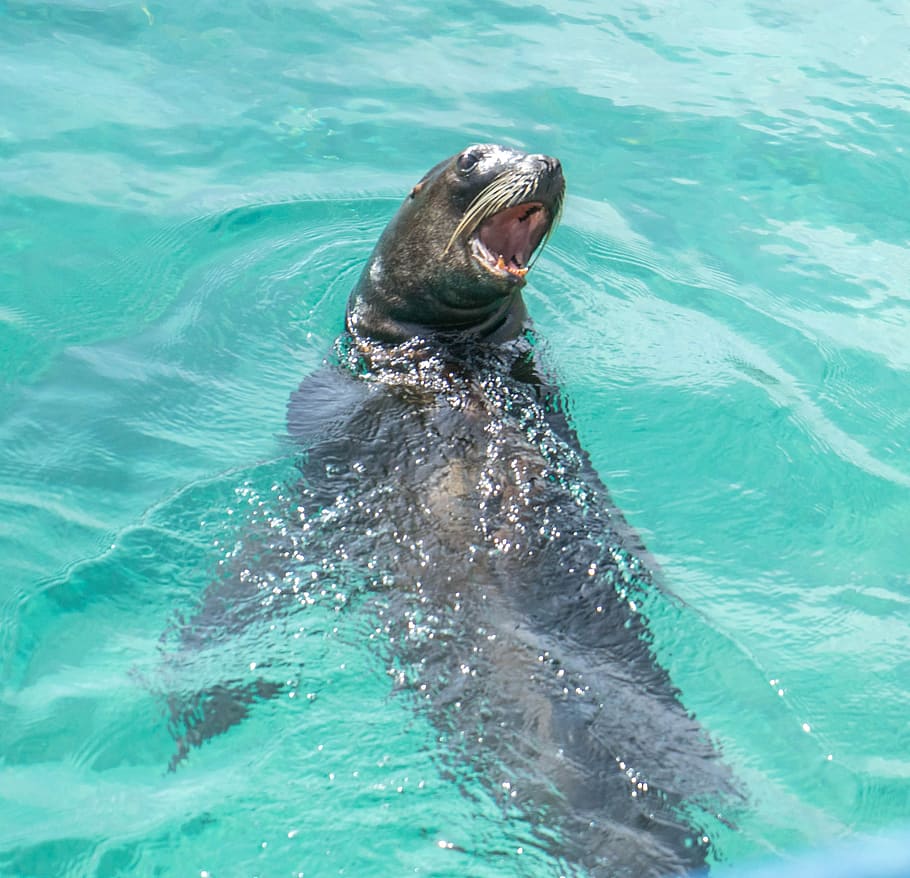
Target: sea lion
437	452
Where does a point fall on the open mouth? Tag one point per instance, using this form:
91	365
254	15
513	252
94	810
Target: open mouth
505	242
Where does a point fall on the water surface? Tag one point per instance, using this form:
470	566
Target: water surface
187	193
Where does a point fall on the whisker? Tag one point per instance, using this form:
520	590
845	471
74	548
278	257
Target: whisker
503	192
554	221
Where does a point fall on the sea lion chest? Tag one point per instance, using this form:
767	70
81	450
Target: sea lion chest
453	462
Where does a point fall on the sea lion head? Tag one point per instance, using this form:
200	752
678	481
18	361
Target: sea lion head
453	259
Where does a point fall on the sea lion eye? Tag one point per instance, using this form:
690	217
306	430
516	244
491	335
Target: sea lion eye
466	161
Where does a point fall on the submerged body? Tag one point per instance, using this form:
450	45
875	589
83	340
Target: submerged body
437	450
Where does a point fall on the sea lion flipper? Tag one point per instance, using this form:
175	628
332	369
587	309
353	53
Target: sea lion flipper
212	712
321	401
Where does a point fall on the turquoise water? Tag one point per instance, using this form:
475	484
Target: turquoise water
187	194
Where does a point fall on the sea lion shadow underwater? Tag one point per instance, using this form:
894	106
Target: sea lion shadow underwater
436	446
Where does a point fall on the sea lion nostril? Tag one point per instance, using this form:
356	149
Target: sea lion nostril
551	165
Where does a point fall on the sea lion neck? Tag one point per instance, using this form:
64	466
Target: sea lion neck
452	261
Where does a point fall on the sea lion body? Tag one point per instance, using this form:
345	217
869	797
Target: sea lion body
437	450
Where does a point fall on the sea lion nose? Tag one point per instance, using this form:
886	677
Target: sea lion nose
551	165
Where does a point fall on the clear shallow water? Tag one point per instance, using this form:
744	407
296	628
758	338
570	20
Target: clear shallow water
188	193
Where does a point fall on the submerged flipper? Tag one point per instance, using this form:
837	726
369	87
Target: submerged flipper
212	712
321	401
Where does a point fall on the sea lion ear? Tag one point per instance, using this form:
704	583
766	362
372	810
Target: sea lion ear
416	190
